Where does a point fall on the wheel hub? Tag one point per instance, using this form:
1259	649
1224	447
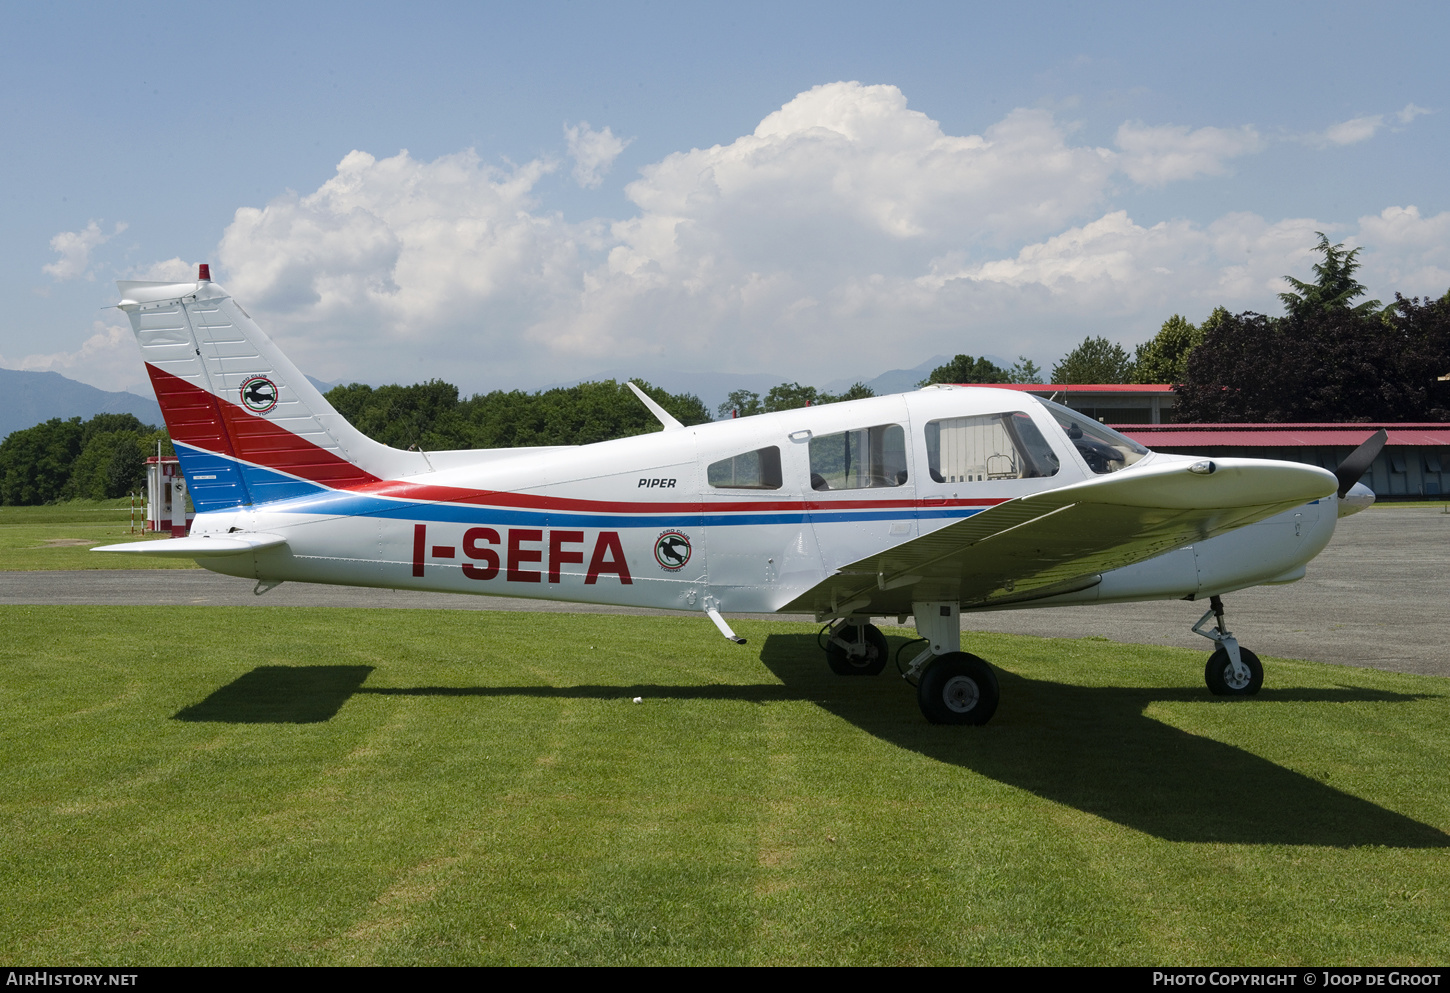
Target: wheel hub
961	694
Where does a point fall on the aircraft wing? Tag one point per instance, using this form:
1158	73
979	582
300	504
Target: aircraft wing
1061	540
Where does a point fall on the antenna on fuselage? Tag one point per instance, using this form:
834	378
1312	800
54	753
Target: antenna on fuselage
660	413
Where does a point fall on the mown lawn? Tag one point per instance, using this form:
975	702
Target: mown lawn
60	537
321	786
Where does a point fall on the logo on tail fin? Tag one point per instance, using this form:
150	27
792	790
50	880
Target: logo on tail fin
259	394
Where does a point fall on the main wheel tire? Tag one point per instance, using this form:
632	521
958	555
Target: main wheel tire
869	664
1219	674
958	688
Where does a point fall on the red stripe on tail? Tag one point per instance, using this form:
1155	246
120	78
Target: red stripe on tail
192	415
198	418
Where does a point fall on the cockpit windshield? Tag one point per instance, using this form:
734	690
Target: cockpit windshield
1102	448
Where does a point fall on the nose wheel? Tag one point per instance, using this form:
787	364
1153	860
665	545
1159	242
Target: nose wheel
1232	670
1223	681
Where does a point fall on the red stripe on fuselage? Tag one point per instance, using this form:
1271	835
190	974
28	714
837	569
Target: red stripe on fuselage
198	418
431	493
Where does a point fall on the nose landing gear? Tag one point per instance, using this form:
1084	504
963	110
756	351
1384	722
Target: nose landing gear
1231	671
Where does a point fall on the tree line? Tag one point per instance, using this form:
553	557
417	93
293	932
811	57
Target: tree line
1327	358
98	459
432	416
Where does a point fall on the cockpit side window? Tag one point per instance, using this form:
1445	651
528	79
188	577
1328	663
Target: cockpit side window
1102	448
996	446
853	460
757	470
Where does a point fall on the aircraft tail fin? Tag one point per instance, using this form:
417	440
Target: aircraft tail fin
248	427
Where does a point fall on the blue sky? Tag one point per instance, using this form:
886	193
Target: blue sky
807	190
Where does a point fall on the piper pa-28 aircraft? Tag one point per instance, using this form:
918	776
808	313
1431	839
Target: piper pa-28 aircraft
923	504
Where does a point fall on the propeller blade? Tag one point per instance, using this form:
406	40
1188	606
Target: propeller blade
1359	461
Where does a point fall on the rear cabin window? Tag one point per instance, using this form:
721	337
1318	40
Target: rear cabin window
757	470
863	459
997	446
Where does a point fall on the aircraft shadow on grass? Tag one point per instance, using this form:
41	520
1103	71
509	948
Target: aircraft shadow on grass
280	694
1095	749
1091	748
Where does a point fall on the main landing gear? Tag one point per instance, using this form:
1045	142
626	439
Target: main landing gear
854	648
1231	670
952	687
957	688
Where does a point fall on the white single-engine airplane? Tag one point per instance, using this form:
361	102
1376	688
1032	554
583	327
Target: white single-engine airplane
924	504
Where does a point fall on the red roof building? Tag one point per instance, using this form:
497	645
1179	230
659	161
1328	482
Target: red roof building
1415	463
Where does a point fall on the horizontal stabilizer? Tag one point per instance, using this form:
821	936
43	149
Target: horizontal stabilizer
201	545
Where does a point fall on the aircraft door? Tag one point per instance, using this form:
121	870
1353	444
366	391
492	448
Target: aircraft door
862	495
762	549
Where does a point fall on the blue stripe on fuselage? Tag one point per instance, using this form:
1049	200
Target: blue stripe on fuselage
289	495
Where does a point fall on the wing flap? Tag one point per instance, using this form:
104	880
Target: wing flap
1043	544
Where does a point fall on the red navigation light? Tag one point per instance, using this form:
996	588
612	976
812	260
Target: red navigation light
203	273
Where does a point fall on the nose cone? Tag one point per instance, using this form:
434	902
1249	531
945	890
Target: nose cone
1358	498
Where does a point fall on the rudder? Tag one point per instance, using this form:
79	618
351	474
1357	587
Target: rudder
248	427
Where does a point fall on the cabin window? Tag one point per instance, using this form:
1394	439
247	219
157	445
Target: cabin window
997	446
757	470
1102	448
861	459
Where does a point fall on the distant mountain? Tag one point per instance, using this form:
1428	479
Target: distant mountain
322	385
895	381
30	398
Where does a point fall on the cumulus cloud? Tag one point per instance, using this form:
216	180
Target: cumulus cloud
858	154
593	152
780	230
1156	156
847	231
1115	263
791	233
106	359
452	253
1406	251
75	249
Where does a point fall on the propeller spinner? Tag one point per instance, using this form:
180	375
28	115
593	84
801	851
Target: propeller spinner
1354	496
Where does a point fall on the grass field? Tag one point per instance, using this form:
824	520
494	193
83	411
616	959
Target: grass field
60	536
286	786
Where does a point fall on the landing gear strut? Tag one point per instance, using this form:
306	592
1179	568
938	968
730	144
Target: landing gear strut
952	687
856	649
1231	670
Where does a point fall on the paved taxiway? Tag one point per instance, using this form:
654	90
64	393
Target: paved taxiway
1378	596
